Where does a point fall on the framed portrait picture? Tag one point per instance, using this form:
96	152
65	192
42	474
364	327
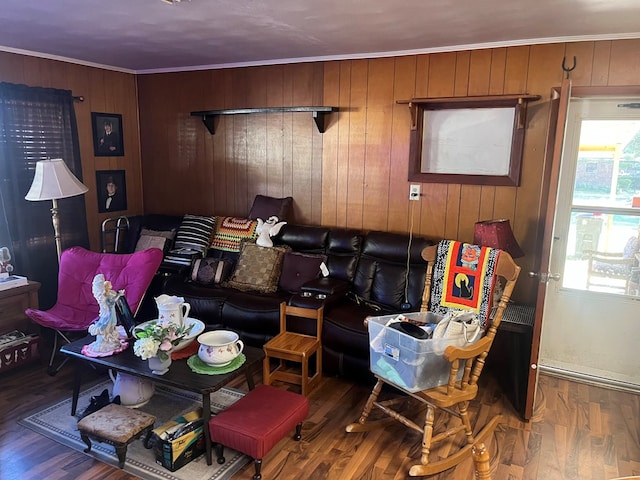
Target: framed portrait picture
107	134
112	190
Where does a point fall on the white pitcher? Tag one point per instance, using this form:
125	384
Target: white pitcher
172	308
134	391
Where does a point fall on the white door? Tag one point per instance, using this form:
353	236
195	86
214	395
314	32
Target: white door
590	327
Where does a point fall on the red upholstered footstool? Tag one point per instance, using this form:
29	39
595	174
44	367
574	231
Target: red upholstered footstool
256	422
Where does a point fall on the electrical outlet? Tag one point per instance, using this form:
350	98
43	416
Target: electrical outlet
414	192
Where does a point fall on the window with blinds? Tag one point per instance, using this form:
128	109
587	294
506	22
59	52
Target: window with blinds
35	124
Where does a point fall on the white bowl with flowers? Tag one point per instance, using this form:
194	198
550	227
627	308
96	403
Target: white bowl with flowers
161	337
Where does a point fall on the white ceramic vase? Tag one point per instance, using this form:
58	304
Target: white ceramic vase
159	367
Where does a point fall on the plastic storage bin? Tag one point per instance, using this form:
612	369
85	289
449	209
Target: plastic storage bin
406	361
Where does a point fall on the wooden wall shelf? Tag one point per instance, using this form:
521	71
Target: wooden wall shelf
209	116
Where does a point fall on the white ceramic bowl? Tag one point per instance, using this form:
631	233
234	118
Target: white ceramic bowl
196	329
219	347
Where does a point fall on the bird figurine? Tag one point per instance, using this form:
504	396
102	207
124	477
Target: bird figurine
267	229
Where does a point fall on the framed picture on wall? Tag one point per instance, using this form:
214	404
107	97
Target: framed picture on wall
107	134
112	190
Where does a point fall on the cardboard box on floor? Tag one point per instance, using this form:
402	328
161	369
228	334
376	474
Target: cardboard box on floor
174	453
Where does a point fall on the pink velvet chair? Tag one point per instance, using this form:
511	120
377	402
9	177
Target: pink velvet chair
76	307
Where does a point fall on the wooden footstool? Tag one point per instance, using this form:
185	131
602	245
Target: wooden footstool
256	422
117	426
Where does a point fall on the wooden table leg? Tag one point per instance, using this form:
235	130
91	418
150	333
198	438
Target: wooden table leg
249	376
206	415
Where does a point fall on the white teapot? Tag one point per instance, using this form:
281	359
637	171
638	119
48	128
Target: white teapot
173	309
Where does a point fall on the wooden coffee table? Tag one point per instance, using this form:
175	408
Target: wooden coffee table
179	375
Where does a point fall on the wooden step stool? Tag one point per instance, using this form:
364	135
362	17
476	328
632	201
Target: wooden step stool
257	422
117	426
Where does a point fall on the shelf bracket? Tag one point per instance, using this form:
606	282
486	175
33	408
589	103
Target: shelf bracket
209	122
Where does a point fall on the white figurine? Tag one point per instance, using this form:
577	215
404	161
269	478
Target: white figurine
268	229
105	327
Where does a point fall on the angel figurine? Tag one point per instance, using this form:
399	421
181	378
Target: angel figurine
105	328
267	229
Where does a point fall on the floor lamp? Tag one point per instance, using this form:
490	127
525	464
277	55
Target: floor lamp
52	181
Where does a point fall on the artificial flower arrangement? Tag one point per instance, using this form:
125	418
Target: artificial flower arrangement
157	338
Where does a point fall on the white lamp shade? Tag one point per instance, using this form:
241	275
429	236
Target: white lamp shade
54	180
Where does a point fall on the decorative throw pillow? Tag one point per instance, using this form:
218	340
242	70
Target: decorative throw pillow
150	241
194	233
298	269
258	269
210	271
231	231
155	238
265	207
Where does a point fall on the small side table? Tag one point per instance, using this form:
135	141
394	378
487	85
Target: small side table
13	303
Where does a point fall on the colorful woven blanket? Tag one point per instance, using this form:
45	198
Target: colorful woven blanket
231	231
463	278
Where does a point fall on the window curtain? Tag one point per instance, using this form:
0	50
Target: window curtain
36	124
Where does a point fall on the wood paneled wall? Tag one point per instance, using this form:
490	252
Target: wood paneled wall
188	170
103	91
355	174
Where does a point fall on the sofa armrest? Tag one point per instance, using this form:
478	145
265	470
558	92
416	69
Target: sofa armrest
327	286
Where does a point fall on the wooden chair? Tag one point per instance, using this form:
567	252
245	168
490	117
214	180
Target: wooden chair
481	463
288	346
451	398
607	266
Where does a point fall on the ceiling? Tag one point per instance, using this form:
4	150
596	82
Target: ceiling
145	36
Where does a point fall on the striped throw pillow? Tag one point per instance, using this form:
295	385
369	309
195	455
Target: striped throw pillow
194	233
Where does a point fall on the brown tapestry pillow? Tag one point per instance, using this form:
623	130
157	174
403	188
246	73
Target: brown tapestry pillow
258	269
210	271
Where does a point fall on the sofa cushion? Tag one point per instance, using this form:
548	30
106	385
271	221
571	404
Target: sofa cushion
195	233
258	269
343	250
265	207
391	271
254	316
229	232
303	238
298	269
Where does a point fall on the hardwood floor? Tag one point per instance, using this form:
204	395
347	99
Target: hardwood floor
578	432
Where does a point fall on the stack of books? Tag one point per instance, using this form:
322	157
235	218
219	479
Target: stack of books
12	281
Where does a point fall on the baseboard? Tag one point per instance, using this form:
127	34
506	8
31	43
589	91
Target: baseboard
590	379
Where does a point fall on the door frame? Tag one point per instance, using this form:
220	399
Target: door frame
560	97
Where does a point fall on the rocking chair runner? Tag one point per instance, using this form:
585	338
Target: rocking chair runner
453	397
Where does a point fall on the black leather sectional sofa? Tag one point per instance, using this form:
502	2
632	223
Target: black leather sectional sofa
370	273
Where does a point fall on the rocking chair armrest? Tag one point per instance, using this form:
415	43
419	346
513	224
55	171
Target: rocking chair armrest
452	353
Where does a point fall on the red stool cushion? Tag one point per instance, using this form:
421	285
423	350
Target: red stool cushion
259	420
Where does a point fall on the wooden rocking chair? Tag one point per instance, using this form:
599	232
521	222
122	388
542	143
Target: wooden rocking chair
453	397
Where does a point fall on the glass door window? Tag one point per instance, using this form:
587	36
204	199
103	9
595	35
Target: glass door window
602	251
